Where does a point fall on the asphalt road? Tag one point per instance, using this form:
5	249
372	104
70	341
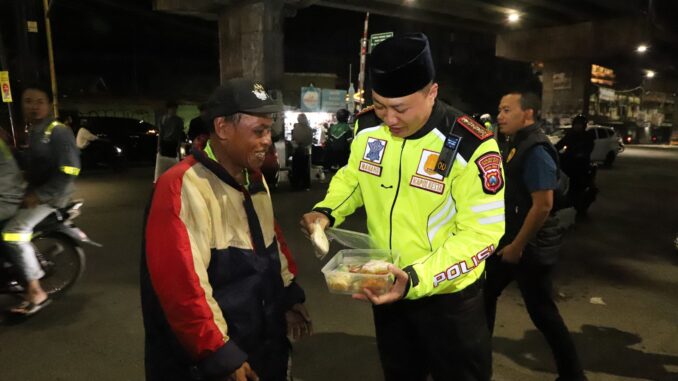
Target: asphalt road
623	255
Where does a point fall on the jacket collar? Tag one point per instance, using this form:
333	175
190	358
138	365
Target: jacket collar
253	180
437	115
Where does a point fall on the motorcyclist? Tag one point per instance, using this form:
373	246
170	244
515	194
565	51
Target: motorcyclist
53	164
12	184
576	147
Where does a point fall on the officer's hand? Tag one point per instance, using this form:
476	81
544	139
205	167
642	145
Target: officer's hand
396	292
511	253
244	373
308	220
31	200
298	322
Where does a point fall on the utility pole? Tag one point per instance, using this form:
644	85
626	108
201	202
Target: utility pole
363	57
50	53
5	66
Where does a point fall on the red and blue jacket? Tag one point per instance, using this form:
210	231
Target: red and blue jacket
216	275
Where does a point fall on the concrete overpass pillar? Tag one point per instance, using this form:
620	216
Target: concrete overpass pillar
251	42
250	35
565	87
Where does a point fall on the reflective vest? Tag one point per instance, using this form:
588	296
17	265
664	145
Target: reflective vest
443	228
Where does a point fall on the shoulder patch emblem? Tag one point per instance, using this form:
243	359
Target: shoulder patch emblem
489	166
474	127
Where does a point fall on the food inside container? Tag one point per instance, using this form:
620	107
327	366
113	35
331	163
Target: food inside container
352	270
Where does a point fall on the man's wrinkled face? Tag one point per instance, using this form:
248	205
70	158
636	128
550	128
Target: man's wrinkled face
406	115
35	105
512	118
248	140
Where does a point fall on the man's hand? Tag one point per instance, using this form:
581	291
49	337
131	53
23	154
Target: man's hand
396	293
244	373
511	253
31	200
309	219
298	322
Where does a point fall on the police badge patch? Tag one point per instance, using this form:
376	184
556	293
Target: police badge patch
491	177
374	150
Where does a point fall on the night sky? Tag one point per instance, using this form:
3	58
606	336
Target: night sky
124	48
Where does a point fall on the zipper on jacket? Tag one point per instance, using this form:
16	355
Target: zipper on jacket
400	169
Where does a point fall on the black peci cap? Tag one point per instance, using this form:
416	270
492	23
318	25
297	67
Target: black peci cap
240	95
401	65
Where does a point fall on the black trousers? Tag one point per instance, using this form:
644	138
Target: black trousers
301	170
444	336
536	286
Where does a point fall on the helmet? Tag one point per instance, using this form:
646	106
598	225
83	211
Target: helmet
580	119
485	118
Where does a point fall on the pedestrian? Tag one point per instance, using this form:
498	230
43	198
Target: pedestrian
528	251
338	143
169	139
218	295
198	133
430	179
53	165
577	146
302	140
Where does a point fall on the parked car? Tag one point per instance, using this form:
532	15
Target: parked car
120	140
607	143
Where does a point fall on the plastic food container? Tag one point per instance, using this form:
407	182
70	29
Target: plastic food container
352	270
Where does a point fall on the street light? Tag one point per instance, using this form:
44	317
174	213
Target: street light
641	48
513	17
649	74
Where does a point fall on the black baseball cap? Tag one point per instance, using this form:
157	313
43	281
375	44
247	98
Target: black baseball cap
401	65
240	95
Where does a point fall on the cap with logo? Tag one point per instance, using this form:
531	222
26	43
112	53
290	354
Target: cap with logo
401	65
240	95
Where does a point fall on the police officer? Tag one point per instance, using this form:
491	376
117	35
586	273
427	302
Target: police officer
529	248
53	165
431	182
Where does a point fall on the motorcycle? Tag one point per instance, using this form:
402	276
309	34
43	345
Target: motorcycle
57	242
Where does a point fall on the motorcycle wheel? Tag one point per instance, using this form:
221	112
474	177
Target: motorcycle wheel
62	260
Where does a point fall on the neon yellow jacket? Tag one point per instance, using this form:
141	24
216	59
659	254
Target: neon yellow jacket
442	227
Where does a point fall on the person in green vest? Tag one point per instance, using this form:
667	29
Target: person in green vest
338	145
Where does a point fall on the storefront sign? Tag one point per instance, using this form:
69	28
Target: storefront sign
607	94
333	100
562	81
4	87
310	99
